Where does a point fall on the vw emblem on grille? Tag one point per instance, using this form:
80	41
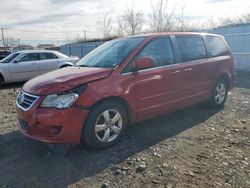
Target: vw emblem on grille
21	98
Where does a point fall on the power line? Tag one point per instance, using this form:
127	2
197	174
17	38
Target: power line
85	35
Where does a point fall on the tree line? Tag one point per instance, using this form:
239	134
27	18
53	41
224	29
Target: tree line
163	18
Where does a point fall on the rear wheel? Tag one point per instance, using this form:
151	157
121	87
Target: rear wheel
105	125
219	94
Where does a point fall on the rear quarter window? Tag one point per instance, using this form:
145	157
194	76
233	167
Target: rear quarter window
191	48
215	46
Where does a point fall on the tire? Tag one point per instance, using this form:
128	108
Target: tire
105	125
219	94
1	81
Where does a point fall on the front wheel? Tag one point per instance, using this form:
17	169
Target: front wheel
65	66
105	125
219	94
1	81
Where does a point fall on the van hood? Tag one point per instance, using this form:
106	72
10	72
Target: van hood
64	79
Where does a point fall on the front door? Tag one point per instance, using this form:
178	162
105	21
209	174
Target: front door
25	68
156	88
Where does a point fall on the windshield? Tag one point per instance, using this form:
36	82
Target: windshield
9	58
110	54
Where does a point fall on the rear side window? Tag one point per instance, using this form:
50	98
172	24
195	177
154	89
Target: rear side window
191	48
215	46
160	50
45	56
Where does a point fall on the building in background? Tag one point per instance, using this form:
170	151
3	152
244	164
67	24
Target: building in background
47	47
5	48
22	47
79	49
238	38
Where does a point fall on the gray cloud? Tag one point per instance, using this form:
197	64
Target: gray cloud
49	18
217	1
73	1
47	11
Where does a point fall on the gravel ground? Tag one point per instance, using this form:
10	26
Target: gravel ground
193	147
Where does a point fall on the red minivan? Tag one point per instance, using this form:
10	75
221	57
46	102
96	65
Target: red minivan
124	81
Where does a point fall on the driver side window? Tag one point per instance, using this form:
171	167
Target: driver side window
160	50
30	57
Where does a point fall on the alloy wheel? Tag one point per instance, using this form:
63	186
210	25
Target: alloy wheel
220	93
108	125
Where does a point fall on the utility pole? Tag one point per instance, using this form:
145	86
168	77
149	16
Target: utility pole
85	36
18	42
3	37
67	37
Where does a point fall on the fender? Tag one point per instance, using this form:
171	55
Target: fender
3	75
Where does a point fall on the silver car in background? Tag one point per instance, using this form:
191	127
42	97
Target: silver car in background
24	65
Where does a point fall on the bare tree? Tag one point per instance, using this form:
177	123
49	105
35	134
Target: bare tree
104	25
10	42
244	18
120	26
185	22
161	17
211	23
132	20
228	21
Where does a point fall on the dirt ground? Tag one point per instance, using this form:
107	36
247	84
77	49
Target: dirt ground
194	147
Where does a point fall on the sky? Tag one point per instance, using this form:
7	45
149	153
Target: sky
60	21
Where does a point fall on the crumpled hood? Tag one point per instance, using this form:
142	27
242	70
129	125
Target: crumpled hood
64	79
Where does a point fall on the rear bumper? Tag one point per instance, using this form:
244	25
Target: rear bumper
52	125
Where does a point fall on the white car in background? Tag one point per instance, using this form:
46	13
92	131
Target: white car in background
24	65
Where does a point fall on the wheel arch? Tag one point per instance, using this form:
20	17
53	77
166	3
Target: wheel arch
1	76
117	99
224	76
66	64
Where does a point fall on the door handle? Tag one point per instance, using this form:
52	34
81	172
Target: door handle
188	69
175	72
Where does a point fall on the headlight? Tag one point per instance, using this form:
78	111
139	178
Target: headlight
62	100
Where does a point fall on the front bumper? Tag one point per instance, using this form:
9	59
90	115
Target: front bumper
52	125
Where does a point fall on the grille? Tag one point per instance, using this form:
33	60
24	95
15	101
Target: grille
25	101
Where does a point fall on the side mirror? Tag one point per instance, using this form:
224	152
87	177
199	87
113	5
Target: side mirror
144	63
16	61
